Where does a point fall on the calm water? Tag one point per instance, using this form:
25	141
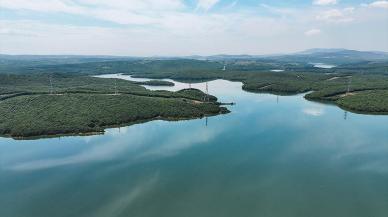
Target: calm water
271	157
323	65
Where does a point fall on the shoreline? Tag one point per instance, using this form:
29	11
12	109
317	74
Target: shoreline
245	86
103	129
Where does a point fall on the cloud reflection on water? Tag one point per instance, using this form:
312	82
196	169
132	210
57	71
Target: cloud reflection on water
135	142
159	139
314	111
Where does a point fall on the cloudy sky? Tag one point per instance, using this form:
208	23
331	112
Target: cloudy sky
189	27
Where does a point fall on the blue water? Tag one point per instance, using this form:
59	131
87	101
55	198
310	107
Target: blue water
271	156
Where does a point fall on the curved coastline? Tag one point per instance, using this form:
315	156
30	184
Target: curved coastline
333	99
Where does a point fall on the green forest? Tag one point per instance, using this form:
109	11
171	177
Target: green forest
40	97
30	106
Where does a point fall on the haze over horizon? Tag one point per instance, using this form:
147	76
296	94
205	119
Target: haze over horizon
190	27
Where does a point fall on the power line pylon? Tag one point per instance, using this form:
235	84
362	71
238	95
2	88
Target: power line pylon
349	83
51	90
207	92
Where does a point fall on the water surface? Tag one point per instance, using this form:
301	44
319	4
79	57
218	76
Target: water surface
271	156
323	65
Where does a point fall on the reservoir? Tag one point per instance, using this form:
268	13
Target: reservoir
275	156
323	65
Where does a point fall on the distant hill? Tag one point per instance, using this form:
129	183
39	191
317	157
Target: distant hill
321	50
343	53
223	57
336	56
55	59
297	61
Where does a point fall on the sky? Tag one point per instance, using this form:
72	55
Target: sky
190	27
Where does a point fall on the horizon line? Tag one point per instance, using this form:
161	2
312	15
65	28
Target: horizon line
190	55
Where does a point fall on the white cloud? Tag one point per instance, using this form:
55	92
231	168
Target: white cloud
82	5
137	12
178	34
206	4
231	5
349	9
378	4
136	5
283	11
169	27
325	2
41	5
336	16
313	32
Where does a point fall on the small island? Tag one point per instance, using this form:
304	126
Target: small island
83	105
155	83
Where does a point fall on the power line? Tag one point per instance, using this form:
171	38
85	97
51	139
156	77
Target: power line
207	91
349	83
51	90
116	92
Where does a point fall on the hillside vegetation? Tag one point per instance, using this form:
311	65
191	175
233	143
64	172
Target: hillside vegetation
371	101
36	115
83	104
37	99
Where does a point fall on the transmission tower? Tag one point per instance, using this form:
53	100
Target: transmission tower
207	92
51	85
116	92
349	83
